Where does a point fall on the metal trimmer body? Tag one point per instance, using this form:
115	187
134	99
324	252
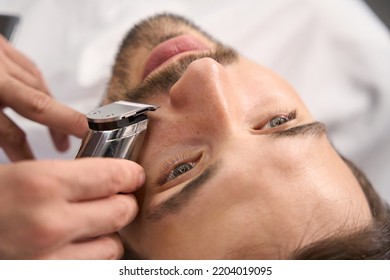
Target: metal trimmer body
117	130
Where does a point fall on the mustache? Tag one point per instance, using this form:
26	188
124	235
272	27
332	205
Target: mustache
164	79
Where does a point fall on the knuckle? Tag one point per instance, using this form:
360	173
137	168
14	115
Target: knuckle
46	231
133	205
125	210
122	212
114	247
40	102
80	121
41	187
116	176
126	174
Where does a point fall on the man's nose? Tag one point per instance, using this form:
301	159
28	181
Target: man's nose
203	93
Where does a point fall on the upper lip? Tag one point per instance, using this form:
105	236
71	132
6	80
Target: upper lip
170	48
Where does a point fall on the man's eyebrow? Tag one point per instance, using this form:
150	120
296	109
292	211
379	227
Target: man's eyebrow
175	202
309	129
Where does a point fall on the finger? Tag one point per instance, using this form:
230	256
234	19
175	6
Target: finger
93	178
108	247
109	176
13	140
18	57
39	107
102	216
60	140
18	72
23	69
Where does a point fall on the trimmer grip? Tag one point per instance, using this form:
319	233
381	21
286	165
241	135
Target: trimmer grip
116	130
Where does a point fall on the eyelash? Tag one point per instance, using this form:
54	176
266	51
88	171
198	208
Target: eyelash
272	115
291	116
168	168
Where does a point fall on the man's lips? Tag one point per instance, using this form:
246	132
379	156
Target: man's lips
170	48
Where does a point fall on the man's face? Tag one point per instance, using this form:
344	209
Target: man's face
236	166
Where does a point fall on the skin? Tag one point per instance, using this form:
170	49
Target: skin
51	210
23	89
267	196
55	209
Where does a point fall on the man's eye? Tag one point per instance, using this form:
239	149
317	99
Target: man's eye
180	169
279	120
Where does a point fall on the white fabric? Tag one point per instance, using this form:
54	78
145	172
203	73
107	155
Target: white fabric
335	53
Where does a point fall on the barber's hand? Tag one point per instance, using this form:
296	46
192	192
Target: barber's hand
66	209
23	89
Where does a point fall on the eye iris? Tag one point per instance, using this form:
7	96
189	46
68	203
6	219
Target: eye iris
279	120
182	168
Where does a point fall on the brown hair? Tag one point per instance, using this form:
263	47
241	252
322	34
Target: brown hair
369	243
